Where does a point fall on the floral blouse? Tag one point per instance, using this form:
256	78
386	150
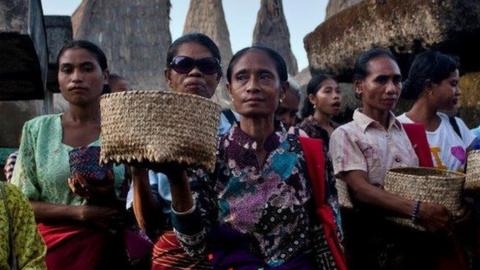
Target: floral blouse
269	203
314	130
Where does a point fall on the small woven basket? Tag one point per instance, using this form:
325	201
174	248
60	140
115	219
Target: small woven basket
427	185
472	181
343	194
158	126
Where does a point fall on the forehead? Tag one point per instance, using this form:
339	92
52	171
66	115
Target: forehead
77	55
193	50
254	60
383	66
328	83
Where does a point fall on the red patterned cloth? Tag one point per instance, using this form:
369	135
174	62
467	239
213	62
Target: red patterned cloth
168	254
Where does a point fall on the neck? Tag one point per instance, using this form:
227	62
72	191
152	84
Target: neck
84	114
259	128
422	112
322	118
380	116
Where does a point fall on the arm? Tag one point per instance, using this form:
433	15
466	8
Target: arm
145	208
103	217
192	218
433	216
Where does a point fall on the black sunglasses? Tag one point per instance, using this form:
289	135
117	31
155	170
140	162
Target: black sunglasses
185	64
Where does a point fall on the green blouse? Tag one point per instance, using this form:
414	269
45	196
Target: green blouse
42	167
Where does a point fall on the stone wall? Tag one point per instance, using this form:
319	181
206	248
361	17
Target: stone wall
23	48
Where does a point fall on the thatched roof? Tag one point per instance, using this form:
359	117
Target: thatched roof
134	35
271	30
404	26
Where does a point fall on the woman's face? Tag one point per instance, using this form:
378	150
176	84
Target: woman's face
381	88
328	98
80	77
446	93
255	85
194	81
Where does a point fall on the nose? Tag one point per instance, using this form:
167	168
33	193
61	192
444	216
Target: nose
252	85
77	75
392	88
458	91
195	72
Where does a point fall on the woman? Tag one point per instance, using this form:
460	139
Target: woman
20	244
255	210
63	203
321	104
193	66
362	151
433	84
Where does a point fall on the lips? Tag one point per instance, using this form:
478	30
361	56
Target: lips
254	99
78	89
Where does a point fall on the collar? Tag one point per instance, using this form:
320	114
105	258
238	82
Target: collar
365	121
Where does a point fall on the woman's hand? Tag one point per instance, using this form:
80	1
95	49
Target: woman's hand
102	217
434	217
92	189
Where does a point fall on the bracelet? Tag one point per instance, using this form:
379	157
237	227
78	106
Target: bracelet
415	212
184	213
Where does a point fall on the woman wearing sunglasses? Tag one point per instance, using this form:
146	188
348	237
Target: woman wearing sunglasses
256	210
193	66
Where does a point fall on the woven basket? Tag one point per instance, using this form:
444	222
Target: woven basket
157	126
343	194
427	185
472	181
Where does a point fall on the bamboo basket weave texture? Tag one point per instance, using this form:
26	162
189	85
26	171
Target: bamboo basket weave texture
427	185
472	181
159	126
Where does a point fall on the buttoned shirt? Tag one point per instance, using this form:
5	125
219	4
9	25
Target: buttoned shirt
364	144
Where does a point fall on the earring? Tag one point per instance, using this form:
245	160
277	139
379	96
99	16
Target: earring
281	100
314	106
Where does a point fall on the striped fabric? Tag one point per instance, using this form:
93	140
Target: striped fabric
9	165
168	254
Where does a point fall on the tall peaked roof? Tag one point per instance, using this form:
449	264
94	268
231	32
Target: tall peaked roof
134	34
271	30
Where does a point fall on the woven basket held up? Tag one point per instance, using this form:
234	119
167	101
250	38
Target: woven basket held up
157	126
427	185
472	181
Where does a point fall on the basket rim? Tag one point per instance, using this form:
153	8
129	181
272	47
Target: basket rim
156	92
400	170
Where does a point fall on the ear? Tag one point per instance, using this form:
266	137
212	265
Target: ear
229	89
358	87
168	76
283	89
106	76
311	98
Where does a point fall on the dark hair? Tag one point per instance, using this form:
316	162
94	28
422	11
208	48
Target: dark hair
89	46
312	88
429	66
113	77
198	38
274	55
360	71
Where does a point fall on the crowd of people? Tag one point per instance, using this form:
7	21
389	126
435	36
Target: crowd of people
271	202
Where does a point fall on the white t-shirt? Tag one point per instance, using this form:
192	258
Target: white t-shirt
447	148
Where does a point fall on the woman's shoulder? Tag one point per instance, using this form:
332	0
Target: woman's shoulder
41	121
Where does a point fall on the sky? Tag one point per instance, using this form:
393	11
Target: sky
302	16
